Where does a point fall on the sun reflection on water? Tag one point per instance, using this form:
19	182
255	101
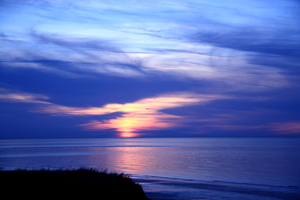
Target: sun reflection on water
132	160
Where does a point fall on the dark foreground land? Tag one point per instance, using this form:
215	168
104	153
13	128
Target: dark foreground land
69	184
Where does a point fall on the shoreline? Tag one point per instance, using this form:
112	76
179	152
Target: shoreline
160	188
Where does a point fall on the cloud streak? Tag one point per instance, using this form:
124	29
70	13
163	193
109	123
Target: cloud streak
22	97
285	127
136	118
73	57
139	116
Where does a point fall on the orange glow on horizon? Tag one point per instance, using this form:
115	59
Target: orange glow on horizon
128	135
138	116
144	114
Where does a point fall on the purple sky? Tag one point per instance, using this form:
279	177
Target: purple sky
169	68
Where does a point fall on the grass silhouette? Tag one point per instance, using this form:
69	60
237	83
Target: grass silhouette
67	184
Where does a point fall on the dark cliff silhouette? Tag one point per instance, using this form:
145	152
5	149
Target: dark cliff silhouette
69	184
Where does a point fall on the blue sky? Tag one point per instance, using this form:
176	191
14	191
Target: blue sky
194	68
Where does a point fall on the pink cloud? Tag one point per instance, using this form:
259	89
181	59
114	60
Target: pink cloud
285	128
142	115
24	97
145	114
234	127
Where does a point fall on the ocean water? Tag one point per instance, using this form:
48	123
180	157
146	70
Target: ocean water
271	162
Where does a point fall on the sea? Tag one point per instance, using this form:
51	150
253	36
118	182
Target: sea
270	162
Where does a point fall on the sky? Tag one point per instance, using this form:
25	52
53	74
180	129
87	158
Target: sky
155	68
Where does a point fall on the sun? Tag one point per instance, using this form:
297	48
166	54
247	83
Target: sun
128	135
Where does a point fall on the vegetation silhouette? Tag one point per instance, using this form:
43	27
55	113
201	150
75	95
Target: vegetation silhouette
68	184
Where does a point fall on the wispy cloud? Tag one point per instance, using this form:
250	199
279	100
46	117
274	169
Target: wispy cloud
285	127
251	40
144	106
76	44
74	57
9	96
139	116
146	114
142	115
214	46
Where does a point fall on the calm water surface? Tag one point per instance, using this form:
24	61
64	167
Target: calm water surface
253	161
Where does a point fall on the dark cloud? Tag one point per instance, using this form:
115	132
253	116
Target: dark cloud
170	51
89	90
85	57
2	35
75	43
155	35
254	41
276	49
291	66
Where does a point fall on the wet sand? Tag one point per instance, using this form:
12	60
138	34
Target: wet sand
157	188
